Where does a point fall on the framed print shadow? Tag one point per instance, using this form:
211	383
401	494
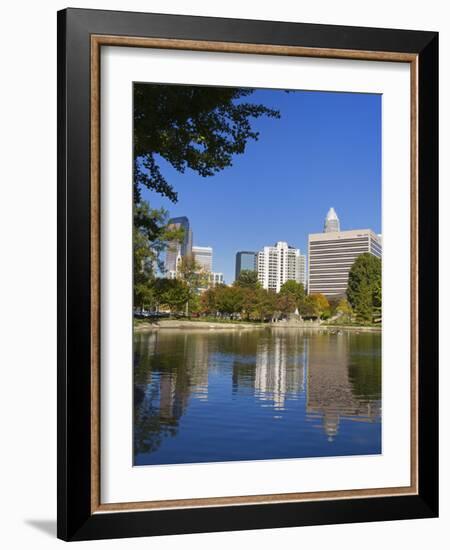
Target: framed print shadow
247	274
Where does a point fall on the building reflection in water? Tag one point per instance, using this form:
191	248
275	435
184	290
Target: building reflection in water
280	367
331	377
344	379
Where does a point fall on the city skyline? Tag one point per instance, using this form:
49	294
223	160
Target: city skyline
323	270
325	150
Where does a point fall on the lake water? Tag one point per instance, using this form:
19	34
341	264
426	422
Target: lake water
209	396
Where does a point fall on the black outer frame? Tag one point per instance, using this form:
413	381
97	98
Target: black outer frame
75	521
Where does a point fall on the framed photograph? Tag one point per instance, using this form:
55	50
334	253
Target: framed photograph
247	263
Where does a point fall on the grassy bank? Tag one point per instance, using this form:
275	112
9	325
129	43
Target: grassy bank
144	325
214	323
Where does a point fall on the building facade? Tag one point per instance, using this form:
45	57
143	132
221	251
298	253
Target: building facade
331	255
245	260
278	264
216	278
203	256
175	251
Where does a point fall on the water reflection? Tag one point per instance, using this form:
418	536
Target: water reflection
337	365
238	395
280	368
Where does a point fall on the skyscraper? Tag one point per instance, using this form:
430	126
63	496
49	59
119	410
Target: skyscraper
331	222
278	264
331	255
203	257
175	251
245	261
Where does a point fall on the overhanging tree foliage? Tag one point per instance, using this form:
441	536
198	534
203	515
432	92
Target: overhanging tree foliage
190	127
195	127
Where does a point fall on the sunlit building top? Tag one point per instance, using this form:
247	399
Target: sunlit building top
331	222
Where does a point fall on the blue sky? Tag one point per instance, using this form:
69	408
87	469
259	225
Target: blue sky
324	151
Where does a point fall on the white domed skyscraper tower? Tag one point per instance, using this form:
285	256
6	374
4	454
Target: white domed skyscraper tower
331	222
332	253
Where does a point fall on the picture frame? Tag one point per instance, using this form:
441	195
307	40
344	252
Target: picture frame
81	35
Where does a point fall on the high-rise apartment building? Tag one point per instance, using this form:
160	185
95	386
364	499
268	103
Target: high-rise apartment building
331	255
203	257
177	250
278	264
245	261
216	278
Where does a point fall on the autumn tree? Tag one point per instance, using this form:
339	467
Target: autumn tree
315	305
344	310
208	301
249	300
286	303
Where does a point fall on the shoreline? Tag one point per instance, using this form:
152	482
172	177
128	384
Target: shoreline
217	325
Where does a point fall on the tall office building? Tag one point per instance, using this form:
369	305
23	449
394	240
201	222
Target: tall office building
175	251
278	264
203	257
331	255
332	223
245	261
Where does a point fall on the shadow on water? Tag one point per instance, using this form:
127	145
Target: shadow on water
202	396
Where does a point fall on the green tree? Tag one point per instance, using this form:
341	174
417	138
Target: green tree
296	291
195	304
344	310
247	279
376	299
171	293
143	257
228	299
152	224
151	235
195	127
265	304
364	287
191	273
